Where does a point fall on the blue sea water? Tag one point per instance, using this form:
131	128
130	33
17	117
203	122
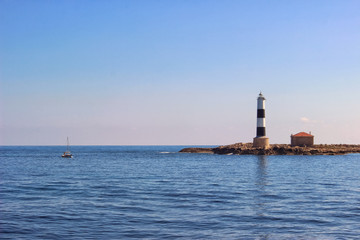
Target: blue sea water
154	192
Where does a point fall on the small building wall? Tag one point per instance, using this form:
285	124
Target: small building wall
302	141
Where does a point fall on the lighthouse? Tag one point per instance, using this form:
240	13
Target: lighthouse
261	141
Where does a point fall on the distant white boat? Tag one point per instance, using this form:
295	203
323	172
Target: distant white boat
67	154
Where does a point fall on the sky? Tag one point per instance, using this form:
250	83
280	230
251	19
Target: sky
181	72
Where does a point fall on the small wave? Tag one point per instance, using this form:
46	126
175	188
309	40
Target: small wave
165	152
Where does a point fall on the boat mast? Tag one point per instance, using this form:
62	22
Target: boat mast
67	147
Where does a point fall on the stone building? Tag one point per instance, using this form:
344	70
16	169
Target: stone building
302	139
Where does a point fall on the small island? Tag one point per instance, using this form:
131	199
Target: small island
277	149
302	143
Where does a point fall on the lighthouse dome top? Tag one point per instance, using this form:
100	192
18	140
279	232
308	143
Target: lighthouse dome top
261	96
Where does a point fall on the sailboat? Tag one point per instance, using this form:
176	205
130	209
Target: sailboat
67	154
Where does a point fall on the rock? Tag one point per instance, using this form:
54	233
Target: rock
197	150
277	149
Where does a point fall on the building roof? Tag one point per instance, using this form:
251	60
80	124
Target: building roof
302	134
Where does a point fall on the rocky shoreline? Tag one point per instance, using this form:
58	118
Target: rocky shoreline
277	149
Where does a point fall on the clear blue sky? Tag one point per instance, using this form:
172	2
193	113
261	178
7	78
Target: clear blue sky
177	72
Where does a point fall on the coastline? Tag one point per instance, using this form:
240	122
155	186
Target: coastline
277	149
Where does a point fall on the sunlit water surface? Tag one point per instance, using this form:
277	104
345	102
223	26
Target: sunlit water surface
118	192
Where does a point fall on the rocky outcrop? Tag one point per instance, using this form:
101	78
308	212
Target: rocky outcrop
278	149
197	150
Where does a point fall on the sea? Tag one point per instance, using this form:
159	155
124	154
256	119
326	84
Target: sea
155	192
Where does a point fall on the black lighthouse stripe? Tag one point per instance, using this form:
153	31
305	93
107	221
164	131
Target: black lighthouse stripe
261	113
260	132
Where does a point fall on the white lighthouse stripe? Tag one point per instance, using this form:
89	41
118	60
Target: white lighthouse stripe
261	104
260	122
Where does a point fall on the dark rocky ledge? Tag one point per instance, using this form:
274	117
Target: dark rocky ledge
278	149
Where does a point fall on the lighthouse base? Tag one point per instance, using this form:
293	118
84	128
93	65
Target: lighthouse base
261	142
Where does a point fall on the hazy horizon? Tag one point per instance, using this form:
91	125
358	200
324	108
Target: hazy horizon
177	72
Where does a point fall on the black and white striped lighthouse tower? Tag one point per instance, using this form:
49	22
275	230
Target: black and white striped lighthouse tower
261	141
